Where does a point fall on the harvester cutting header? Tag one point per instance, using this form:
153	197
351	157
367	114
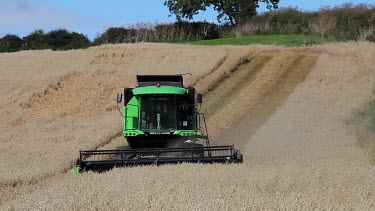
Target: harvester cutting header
161	124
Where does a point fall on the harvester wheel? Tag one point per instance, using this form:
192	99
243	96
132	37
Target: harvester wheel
239	156
199	154
123	155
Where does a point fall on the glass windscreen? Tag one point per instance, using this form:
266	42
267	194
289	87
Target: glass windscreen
158	112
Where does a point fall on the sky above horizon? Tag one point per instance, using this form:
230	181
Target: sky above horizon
92	17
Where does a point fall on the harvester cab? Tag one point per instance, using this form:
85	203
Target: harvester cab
161	124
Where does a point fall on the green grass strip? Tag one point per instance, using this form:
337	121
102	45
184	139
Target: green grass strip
286	40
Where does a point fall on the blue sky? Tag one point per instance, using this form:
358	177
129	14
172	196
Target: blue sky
92	17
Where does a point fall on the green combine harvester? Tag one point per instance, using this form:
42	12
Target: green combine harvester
162	124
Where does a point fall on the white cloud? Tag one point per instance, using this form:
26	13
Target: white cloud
23	16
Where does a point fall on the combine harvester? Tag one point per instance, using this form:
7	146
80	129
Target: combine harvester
162	124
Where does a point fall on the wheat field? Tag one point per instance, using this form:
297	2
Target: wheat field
288	109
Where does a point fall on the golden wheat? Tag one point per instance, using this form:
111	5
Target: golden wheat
304	157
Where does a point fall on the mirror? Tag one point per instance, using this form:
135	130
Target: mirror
119	97
199	98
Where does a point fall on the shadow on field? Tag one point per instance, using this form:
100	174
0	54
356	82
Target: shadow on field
245	99
365	128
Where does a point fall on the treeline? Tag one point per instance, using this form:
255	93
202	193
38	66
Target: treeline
59	39
346	22
343	23
174	32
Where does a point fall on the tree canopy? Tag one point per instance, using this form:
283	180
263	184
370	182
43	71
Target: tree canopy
234	11
62	39
35	41
59	39
10	43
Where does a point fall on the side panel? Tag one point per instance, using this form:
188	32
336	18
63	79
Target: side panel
131	114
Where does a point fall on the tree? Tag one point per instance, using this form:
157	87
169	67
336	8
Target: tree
115	35
35	41
10	43
61	39
324	21
236	11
